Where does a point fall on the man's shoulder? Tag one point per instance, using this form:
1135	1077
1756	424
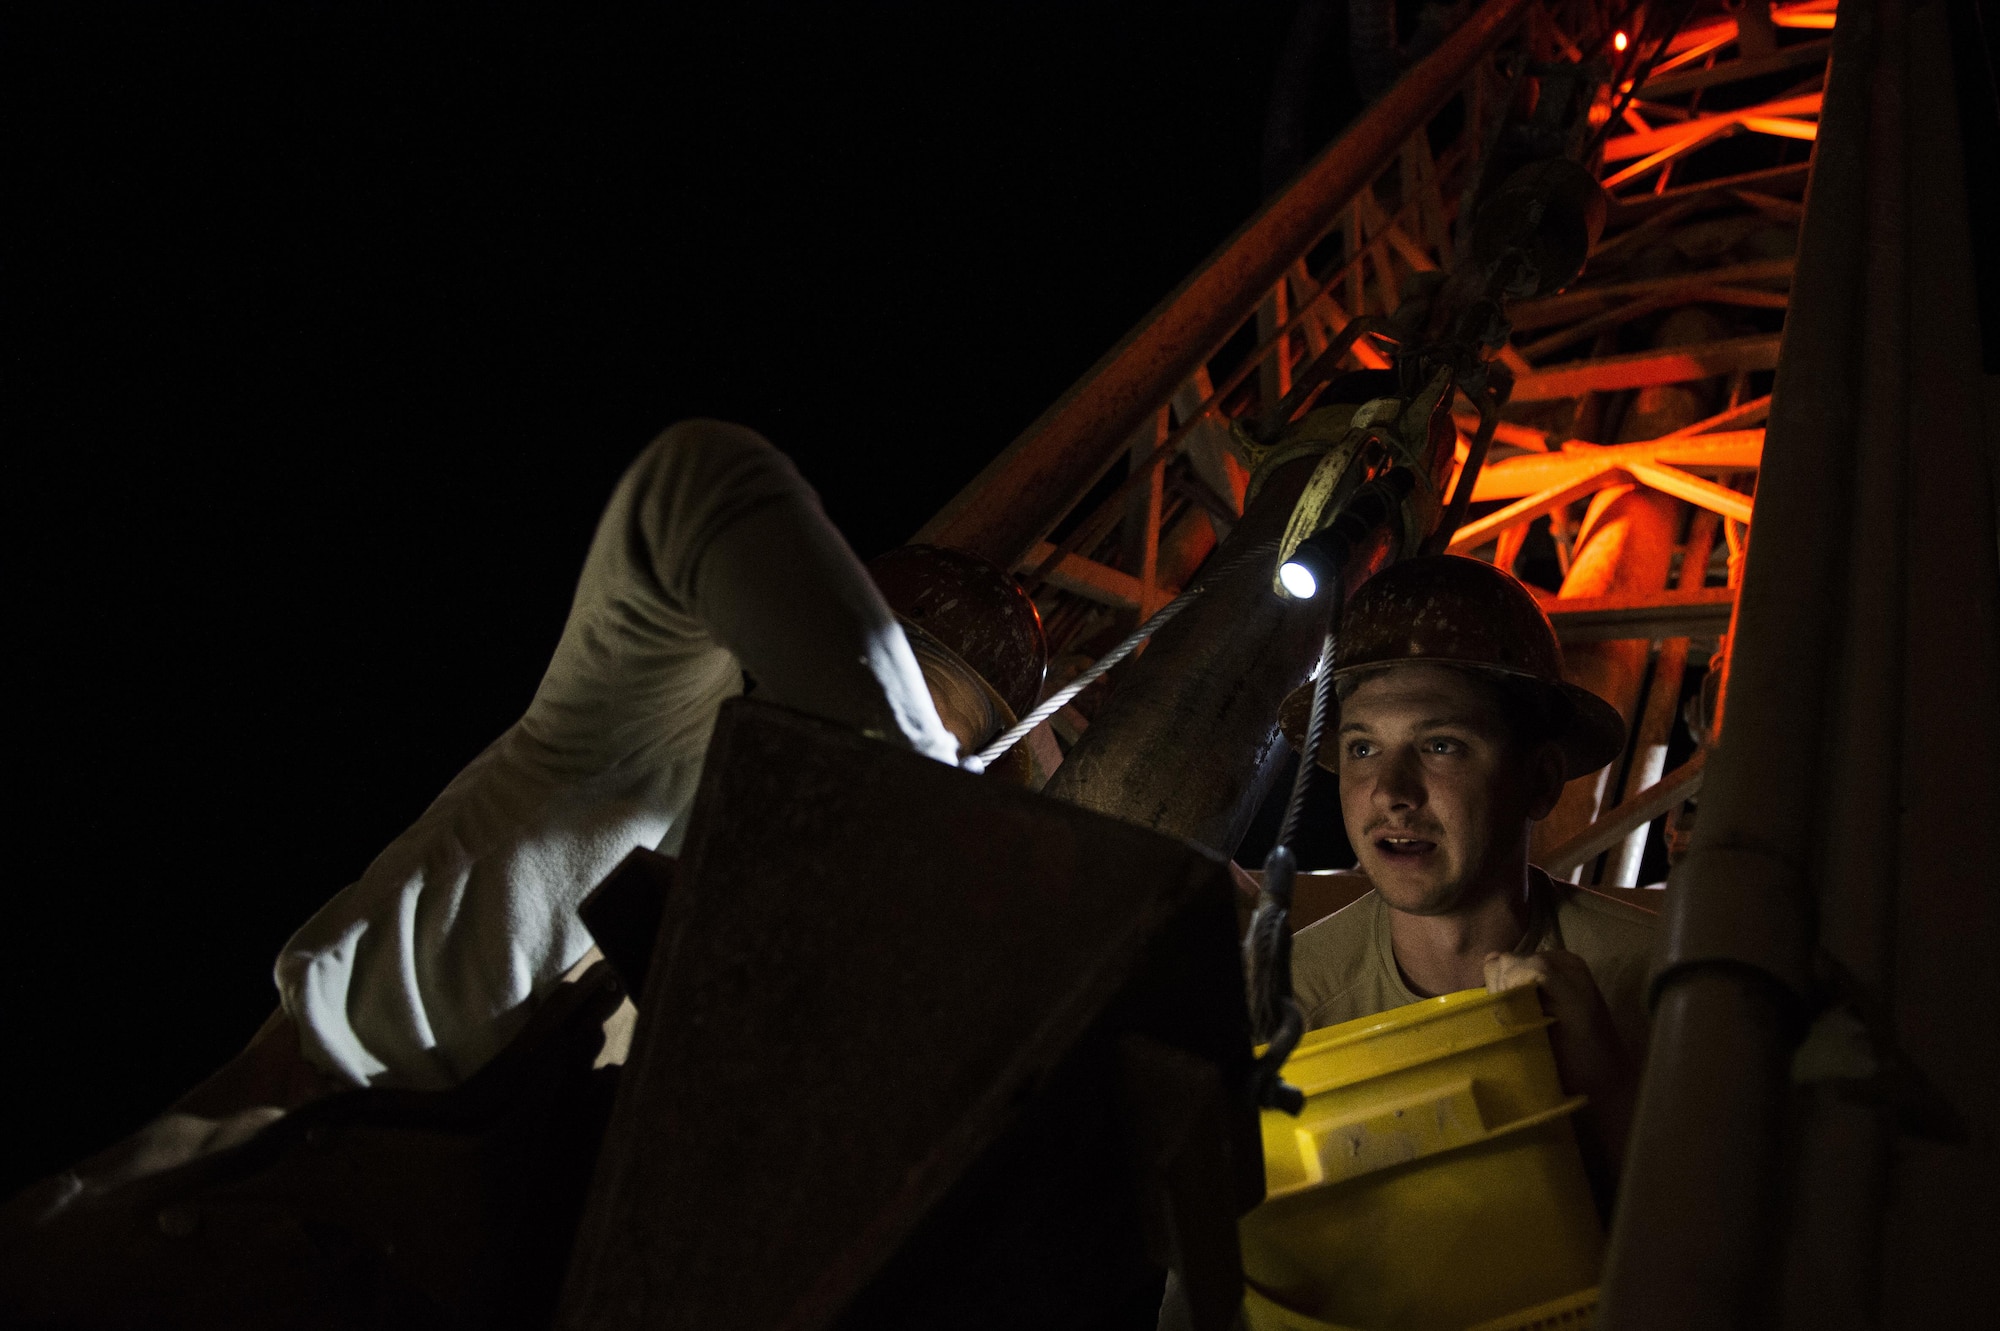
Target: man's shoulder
1334	966
1353	925
1593	923
1616	941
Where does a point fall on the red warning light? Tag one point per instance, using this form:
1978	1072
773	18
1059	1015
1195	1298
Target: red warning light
1619	41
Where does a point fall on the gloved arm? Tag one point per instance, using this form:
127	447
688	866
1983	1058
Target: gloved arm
1590	1057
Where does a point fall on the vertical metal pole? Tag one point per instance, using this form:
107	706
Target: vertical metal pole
1357	266
1274	376
1627	550
1377	226
1941	930
1314	325
1841	1165
1141	543
1694	1242
1656	724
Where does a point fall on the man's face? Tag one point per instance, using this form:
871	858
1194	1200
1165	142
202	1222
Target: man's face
1436	795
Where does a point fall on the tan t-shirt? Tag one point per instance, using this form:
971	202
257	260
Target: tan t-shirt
1343	968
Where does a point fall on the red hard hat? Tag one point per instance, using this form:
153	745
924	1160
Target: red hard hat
985	617
1452	611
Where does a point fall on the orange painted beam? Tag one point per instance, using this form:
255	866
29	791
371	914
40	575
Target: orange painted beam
1701	493
1665	615
1475	534
1693	294
1532	473
1643	369
1742	416
1628	146
1783	127
1614	825
1582	301
1691	43
1698	39
1729	71
1098	582
1505	432
1788	179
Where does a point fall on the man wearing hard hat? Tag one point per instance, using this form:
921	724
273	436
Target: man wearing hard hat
1455	733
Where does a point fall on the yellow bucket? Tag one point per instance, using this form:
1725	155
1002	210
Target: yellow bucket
1432	1180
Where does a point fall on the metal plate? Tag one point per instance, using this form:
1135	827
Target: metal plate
883	1023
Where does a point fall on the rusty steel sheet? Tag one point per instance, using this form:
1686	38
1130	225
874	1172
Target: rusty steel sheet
876	1077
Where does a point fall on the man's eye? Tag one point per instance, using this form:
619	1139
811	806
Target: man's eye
1359	748
1441	745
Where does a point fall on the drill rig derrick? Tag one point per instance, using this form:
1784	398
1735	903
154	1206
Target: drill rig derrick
1374	494
1157	752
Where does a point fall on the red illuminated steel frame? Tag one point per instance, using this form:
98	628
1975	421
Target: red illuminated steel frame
1108	505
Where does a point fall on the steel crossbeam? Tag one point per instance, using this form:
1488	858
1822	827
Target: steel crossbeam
1643	369
1532	473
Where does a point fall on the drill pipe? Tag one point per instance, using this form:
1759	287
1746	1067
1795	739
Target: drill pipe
1188	743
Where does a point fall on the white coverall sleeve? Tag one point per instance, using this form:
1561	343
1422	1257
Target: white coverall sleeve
712	559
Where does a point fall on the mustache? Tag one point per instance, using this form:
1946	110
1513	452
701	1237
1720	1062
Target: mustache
1422	830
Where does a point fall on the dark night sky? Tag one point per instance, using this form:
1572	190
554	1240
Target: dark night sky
334	323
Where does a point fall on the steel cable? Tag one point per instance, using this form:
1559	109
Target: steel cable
1056	701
